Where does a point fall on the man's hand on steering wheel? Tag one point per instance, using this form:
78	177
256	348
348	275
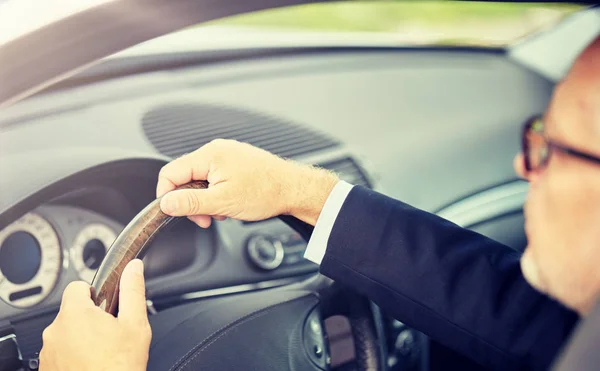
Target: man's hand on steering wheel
245	183
84	337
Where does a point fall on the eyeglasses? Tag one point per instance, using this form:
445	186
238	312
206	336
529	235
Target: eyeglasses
537	148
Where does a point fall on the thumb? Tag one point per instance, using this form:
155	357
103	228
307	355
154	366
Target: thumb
187	202
132	294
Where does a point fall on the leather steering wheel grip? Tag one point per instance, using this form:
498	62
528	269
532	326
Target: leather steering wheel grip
130	244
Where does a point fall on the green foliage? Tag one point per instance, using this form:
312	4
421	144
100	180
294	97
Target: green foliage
388	16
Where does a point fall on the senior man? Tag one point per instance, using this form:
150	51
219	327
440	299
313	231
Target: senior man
475	295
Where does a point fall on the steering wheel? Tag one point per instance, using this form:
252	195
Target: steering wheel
277	329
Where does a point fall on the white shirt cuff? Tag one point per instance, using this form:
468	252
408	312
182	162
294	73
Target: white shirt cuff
317	246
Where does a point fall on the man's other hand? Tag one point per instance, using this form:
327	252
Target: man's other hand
83	337
245	183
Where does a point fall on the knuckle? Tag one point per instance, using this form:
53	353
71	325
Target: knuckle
220	145
220	141
217	141
169	168
164	171
146	330
47	334
183	155
193	203
215	145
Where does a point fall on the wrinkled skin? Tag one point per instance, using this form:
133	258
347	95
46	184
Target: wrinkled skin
562	210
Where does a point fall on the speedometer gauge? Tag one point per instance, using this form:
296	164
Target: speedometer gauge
89	249
30	261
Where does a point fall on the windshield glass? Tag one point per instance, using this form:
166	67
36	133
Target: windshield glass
359	23
20	17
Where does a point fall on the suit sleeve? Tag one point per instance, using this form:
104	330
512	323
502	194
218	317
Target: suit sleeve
456	286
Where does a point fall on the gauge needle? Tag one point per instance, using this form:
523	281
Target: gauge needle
90	261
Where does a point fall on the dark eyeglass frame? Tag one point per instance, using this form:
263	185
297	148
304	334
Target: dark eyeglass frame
551	146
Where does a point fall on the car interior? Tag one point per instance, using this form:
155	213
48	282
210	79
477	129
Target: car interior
436	127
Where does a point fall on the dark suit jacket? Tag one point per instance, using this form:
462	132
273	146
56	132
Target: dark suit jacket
456	286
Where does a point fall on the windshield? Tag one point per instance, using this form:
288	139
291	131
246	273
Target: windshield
359	23
20	17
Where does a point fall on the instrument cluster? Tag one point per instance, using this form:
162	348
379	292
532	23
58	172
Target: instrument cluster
89	248
30	261
50	247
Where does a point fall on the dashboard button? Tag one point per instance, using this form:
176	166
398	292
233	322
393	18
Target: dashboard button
293	258
291	239
265	252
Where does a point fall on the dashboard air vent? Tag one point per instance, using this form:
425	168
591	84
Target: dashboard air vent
181	128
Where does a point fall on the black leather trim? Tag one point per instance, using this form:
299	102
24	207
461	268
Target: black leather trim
260	330
195	351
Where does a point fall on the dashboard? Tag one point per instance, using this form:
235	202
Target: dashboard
56	243
78	163
67	238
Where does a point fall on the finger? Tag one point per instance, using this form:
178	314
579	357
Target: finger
132	294
203	221
219	217
77	294
193	166
187	202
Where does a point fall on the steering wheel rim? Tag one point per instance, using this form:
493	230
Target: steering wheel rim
336	299
131	243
